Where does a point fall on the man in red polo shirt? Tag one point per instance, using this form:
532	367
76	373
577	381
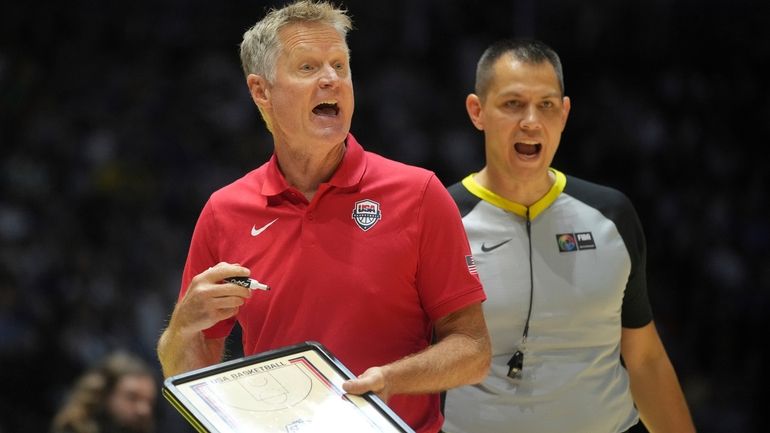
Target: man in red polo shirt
365	255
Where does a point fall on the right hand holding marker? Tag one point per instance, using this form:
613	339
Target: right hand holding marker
209	300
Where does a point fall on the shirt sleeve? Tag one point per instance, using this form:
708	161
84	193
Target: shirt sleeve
446	277
636	311
201	256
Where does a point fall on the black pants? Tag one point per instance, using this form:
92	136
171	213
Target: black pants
638	428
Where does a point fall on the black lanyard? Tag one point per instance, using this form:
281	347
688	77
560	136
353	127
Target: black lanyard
516	363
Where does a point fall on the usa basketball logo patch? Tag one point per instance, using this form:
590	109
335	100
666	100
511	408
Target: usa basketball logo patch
366	213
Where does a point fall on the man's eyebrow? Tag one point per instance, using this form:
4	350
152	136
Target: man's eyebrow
517	94
551	95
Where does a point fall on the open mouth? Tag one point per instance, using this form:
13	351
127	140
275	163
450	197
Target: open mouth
326	109
527	149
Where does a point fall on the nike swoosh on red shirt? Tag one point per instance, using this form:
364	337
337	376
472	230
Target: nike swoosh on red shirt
256	231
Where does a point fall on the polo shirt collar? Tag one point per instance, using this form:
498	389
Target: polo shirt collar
347	175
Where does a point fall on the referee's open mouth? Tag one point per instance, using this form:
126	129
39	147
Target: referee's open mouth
327	109
528	149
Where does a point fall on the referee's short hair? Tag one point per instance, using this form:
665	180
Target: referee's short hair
525	50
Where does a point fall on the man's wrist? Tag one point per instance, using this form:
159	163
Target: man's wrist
178	329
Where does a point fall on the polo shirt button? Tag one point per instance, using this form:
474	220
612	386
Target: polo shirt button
310	216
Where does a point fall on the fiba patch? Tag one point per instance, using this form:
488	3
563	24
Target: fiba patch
366	213
569	242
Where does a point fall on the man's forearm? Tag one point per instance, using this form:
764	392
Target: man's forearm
454	361
654	385
179	353
660	400
460	357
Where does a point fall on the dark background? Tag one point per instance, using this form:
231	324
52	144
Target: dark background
118	119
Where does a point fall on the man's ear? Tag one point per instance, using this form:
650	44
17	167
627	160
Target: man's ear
259	90
566	105
473	105
260	94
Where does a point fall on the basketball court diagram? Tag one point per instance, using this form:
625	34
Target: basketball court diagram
293	398
295	393
273	390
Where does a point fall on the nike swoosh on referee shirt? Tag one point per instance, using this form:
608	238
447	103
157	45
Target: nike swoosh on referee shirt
256	231
487	249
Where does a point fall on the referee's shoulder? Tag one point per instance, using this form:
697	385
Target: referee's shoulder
611	202
456	189
463	198
595	193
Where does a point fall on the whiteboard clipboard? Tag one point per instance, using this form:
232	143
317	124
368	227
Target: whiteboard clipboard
295	389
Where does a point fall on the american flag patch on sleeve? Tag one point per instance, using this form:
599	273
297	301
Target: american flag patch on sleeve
471	265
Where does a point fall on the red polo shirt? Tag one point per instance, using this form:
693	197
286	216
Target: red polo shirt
365	268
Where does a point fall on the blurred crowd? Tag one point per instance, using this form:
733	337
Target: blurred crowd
117	120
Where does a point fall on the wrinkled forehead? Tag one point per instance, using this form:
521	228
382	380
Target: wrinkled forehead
310	36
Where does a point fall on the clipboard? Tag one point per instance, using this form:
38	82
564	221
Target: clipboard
294	389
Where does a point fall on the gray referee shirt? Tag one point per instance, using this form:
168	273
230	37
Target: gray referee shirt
588	265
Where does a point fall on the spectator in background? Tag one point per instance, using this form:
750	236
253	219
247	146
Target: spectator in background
117	396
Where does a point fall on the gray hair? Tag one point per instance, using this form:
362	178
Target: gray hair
261	45
525	50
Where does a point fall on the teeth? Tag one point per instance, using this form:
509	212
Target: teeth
330	102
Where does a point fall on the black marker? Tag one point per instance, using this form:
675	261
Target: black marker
248	283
